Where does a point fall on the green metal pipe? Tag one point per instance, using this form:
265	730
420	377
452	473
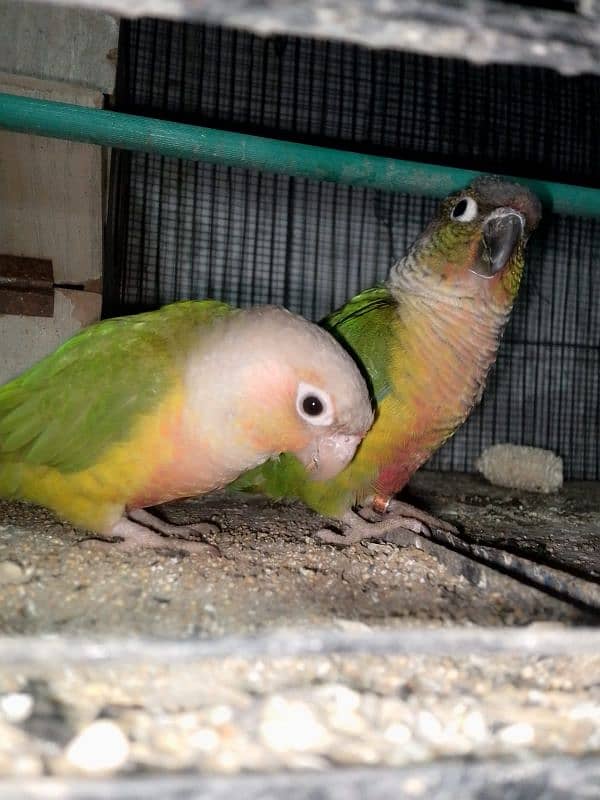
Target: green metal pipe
196	143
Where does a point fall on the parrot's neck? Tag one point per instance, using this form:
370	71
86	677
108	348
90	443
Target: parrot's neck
466	325
447	345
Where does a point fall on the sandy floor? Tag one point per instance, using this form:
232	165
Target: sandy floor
272	572
429	696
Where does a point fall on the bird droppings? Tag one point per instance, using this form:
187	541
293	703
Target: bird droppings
16	707
586	711
292	726
428	726
397	734
474	726
12	572
206	740
521	733
414	787
99	748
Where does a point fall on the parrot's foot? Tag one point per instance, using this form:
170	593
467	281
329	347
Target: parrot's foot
140	528
414	519
357	529
165	532
401	523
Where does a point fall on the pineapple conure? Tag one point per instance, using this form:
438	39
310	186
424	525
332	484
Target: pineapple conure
139	410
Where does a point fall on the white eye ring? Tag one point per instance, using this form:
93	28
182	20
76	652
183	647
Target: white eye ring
465	210
314	405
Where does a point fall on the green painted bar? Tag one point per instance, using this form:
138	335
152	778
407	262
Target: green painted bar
176	140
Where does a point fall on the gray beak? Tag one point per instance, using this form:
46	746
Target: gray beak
329	455
502	231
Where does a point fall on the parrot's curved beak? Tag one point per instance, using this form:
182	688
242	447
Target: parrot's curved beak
327	456
502	231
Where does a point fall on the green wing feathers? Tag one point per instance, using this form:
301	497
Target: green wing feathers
278	478
66	409
365	327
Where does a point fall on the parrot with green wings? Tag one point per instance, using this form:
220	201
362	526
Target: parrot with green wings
139	410
425	341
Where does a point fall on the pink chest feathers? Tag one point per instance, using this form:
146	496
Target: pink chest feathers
177	460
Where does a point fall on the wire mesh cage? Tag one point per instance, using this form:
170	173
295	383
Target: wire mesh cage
190	230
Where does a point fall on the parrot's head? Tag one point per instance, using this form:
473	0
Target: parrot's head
475	246
297	391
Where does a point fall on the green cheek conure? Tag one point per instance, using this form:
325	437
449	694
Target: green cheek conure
425	341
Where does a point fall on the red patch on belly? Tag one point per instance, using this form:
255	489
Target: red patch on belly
396	474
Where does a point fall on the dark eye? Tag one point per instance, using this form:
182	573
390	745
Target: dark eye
465	210
460	208
312	406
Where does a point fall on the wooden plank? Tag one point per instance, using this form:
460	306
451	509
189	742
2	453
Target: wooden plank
74	45
51	191
24	340
26	286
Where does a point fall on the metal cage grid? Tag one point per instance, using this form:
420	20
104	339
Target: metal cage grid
180	229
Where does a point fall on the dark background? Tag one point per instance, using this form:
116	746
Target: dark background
183	230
